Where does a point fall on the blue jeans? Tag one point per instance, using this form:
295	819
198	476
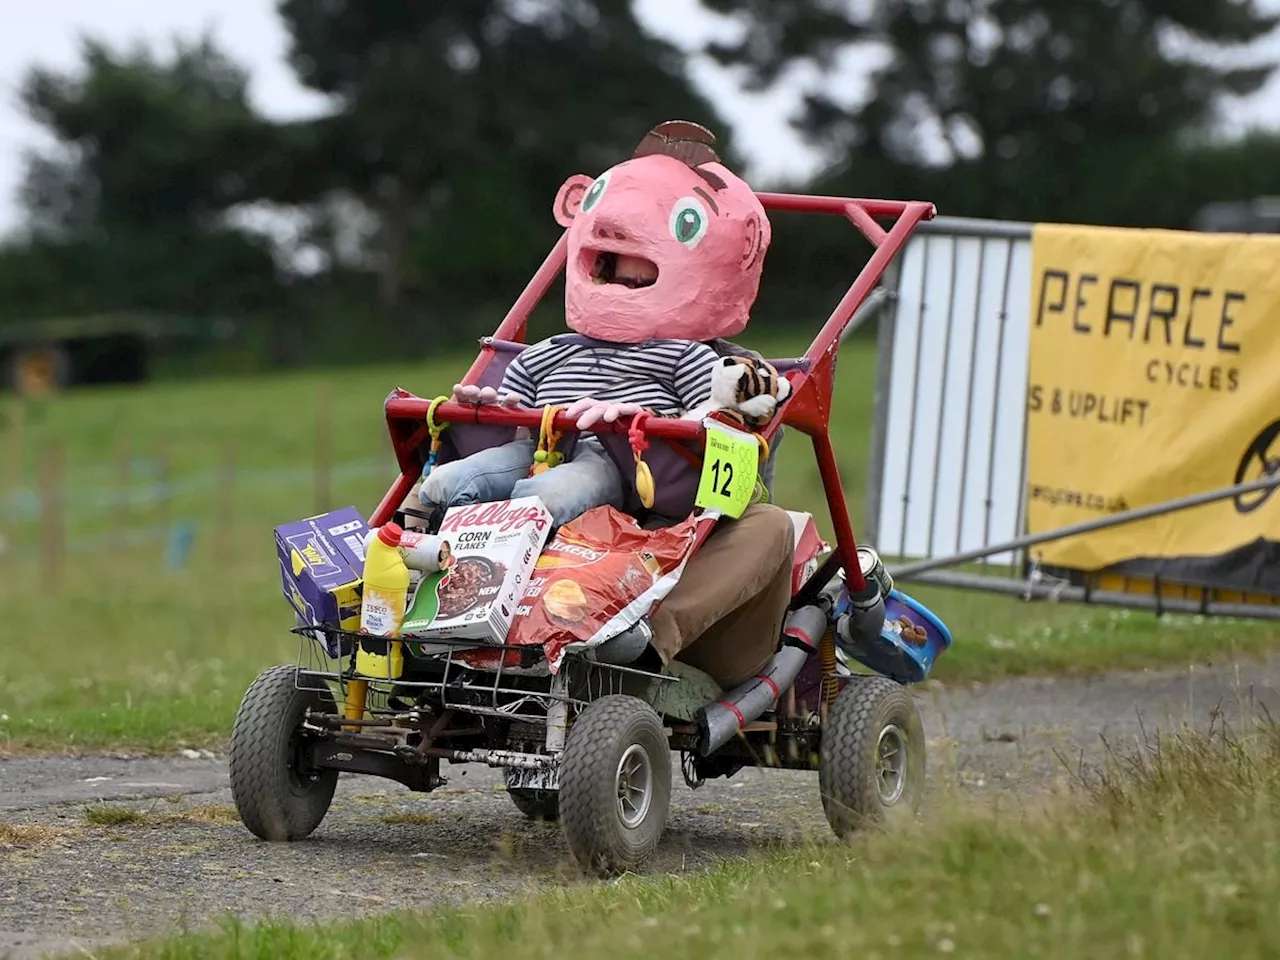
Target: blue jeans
569	490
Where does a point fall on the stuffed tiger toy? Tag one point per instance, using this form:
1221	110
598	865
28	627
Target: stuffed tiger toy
745	391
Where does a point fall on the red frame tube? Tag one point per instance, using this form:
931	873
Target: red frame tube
415	408
809	409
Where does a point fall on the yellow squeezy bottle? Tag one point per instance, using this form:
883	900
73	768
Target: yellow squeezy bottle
382	606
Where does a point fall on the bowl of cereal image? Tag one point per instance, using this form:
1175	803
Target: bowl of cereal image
460	588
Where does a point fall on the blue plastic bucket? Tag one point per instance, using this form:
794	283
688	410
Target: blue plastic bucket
899	652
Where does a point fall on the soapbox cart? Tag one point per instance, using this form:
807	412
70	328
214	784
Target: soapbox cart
589	744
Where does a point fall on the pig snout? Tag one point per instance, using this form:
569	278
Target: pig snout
609	230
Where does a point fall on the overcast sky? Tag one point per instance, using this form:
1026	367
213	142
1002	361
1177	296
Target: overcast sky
47	33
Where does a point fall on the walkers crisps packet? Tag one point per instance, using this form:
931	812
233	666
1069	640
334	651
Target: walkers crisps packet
598	576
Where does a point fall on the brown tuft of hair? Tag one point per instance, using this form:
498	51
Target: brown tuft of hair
685	140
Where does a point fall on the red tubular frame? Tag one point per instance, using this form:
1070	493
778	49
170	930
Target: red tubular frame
809	409
415	408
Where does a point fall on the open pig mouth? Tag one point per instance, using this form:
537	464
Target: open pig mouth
625	269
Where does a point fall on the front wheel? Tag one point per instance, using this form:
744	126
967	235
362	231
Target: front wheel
277	800
615	784
873	756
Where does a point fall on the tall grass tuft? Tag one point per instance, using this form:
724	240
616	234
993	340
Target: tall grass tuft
1219	773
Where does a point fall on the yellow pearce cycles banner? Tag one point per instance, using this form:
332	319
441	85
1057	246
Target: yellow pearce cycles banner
1155	374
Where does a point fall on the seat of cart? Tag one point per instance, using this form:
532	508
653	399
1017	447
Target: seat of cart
674	464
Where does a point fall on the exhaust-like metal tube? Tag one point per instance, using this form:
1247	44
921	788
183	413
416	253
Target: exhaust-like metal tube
859	615
805	627
860	626
719	722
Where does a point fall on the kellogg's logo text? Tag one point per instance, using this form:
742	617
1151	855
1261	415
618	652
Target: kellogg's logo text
499	516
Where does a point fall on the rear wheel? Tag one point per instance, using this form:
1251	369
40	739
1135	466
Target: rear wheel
615	784
537	804
276	799
873	756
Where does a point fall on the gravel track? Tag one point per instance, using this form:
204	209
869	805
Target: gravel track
68	885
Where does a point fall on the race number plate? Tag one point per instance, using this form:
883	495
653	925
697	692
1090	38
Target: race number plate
730	470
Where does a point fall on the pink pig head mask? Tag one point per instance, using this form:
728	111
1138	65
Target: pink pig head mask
668	244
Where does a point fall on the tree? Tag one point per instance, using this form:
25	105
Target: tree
456	121
1010	108
141	141
127	210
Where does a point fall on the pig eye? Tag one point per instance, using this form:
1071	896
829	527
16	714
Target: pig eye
595	192
689	221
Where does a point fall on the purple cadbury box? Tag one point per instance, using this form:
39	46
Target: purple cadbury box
322	568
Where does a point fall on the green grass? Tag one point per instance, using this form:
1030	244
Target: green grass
109	815
29	836
125	653
154	815
1171	853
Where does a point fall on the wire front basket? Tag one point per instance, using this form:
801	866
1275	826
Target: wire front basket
498	680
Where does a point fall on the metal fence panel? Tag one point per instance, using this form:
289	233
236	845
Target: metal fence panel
948	460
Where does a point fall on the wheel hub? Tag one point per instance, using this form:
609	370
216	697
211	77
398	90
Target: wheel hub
634	781
891	764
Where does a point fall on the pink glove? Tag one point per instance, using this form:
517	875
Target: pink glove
588	411
474	394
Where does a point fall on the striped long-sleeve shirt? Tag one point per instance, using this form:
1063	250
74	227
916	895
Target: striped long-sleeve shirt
666	377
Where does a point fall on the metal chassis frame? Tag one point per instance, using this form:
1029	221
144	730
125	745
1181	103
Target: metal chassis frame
371	748
379	746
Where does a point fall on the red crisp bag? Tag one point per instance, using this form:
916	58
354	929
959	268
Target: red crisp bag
597	577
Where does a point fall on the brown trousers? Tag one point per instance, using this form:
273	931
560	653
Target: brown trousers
725	615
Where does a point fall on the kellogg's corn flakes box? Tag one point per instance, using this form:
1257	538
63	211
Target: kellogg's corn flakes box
494	549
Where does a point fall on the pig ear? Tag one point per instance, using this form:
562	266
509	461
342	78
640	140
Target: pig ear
755	242
569	198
